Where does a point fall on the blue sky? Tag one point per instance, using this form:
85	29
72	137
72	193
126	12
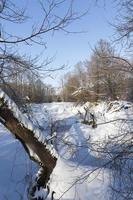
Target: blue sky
71	48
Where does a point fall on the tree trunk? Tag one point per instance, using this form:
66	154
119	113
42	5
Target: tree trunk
31	139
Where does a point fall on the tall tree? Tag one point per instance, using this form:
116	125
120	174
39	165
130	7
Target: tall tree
103	71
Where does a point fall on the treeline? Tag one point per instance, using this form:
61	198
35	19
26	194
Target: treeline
28	88
105	76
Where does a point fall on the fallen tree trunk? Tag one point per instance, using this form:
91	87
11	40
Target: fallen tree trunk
32	140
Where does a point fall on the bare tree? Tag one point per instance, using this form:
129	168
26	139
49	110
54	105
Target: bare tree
110	79
124	22
50	22
101	77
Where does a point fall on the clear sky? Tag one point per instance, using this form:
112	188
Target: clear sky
71	48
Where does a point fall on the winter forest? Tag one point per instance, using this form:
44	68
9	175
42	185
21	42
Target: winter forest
66	119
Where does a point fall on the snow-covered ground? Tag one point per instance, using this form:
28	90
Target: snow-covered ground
81	172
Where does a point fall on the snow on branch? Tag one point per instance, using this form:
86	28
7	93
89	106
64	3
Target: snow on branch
24	122
33	142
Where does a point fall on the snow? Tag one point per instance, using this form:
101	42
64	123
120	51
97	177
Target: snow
16	170
73	184
81	172
1	5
